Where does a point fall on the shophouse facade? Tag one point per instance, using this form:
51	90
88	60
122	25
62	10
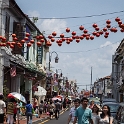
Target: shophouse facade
30	62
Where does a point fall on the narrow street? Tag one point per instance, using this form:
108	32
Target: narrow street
62	119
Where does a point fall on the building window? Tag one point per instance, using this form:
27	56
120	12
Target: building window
7	23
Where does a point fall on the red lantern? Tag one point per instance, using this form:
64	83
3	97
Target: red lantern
15	38
84	35
52	39
3	44
39	44
26	38
94	33
77	40
81	37
48	43
73	33
106	33
63	39
54	33
8	43
61	35
60	41
108	22
94	25
41	40
67	30
59	44
117	19
106	36
29	44
105	29
101	32
50	36
37	37
87	37
119	22
122	30
115	30
91	37
20	45
97	28
77	37
81	27
57	41
0	37
70	39
27	34
97	34
74	37
13	35
108	26
3	39
41	37
32	41
85	31
12	46
13	43
68	42
22	41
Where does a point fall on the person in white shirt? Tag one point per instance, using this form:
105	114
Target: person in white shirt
72	111
2	109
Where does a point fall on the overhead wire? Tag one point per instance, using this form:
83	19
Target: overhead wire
90	49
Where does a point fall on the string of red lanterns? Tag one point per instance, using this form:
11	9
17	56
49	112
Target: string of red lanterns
52	37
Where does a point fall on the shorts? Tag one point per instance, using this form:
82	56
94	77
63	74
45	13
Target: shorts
1	118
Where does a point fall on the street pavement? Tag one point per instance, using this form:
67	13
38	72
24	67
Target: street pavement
61	120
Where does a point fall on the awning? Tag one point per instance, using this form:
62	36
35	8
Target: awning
41	91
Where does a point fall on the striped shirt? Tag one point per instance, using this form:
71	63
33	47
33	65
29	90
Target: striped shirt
10	108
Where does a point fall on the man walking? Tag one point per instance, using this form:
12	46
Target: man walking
57	109
83	113
72	111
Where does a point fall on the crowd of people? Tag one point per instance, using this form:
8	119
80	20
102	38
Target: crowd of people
13	108
82	113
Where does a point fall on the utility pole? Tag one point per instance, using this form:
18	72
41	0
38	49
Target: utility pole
91	81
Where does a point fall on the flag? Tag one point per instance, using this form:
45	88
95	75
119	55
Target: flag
13	71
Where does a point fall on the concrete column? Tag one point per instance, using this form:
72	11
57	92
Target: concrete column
28	87
1	73
18	83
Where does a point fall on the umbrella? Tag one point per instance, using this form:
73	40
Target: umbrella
17	96
55	98
41	91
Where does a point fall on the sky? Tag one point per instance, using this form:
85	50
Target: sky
76	59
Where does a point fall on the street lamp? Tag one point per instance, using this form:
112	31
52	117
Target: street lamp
50	56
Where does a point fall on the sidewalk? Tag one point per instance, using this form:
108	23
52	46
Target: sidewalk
34	119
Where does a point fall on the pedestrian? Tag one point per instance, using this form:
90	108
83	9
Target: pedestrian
95	114
10	111
35	105
64	104
29	112
83	114
91	104
105	116
72	111
40	108
2	109
51	110
15	110
57	109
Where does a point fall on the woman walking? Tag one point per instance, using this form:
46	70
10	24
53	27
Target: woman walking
95	114
105	117
41	108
